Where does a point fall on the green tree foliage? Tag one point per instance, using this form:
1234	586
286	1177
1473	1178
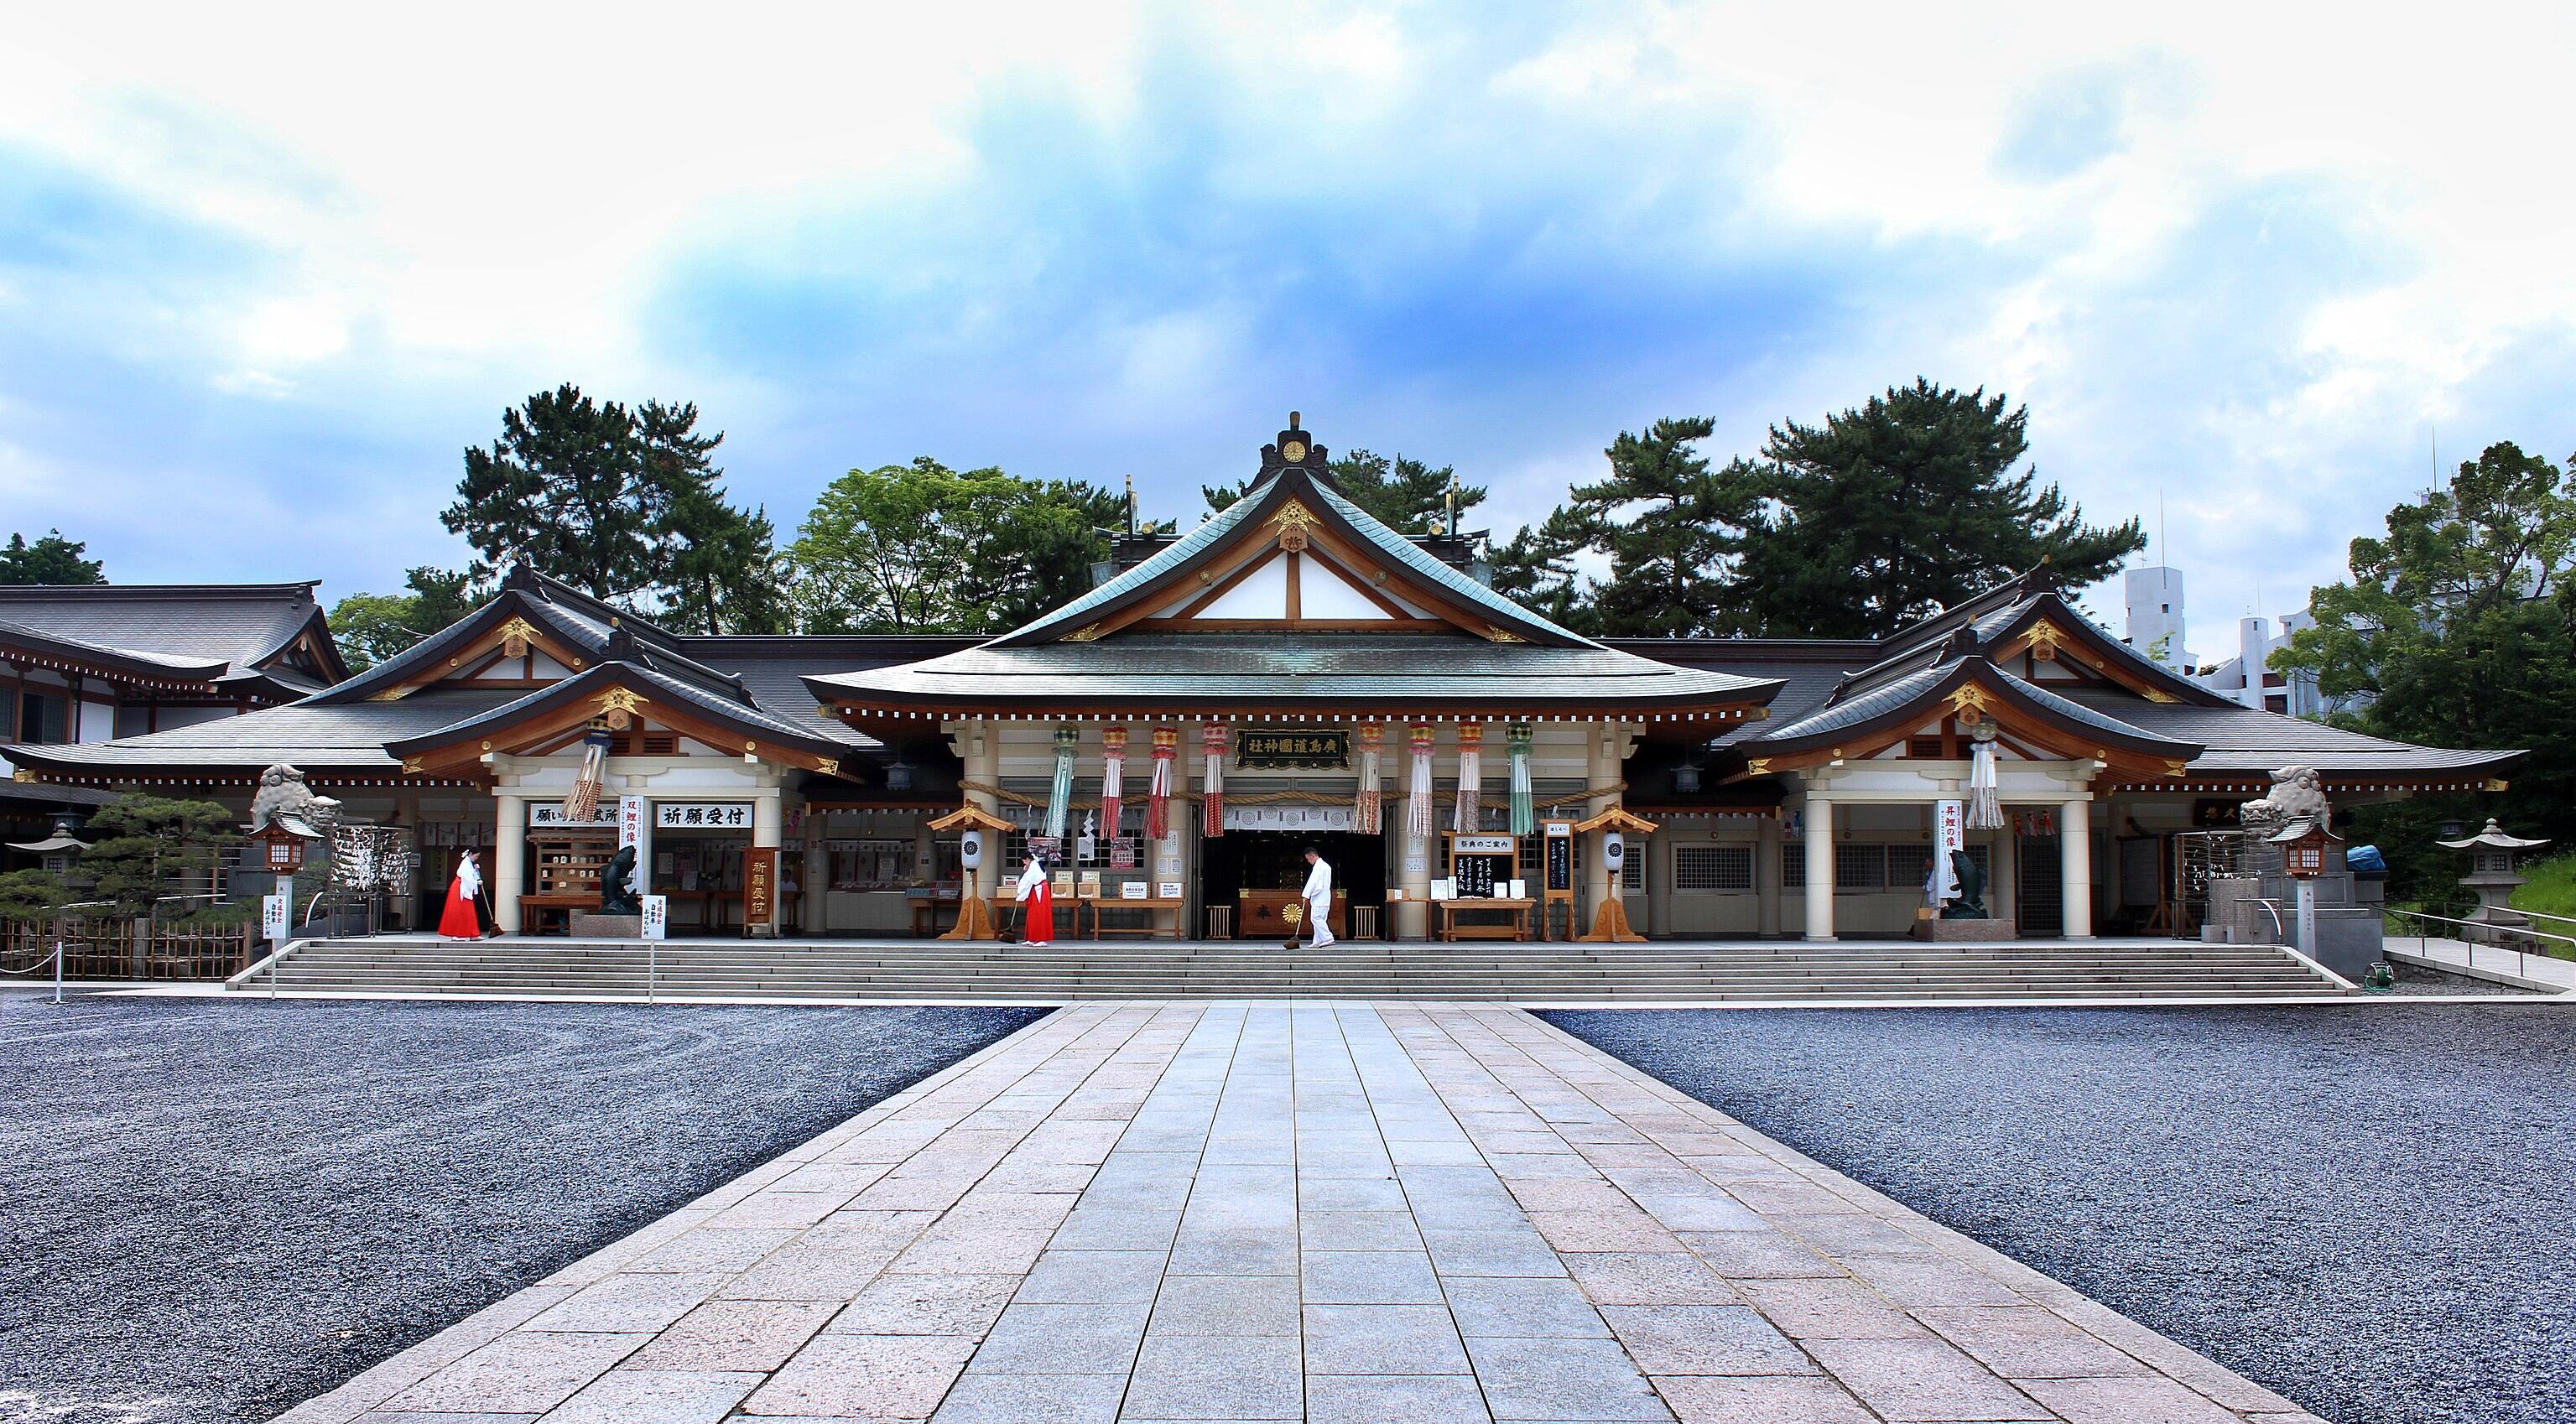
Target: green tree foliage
371	627
149	849
1903	507
52	559
1536	569
31	894
1670	527
719	571
625	505
922	548
2458	628
1405	495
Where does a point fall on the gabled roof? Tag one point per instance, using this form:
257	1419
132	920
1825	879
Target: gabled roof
237	634
1891	706
571	702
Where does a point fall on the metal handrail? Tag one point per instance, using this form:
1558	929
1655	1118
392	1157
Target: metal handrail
2521	959
2545	915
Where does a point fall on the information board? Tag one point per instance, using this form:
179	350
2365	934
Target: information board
1478	864
1559	858
759	889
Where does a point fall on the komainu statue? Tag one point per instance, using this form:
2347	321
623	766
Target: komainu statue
2296	796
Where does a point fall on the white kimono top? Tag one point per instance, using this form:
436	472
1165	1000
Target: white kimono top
469	875
1030	880
1319	886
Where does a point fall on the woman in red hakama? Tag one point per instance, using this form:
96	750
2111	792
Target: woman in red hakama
464	916
1037	915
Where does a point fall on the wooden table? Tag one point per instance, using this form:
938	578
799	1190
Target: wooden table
536	910
1149	930
1445	913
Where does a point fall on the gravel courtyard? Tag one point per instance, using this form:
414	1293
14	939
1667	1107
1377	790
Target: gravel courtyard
213	1208
2365	1208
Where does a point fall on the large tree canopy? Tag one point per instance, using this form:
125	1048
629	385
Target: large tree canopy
2458	628
371	627
922	548
51	559
624	505
1903	507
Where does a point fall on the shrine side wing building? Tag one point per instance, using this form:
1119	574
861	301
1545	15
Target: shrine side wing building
1293	645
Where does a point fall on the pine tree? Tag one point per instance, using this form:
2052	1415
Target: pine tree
718	565
1903	507
563	491
52	559
1672	529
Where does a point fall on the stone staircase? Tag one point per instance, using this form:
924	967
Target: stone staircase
1659	972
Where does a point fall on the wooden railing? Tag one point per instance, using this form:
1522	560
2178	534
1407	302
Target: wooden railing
129	949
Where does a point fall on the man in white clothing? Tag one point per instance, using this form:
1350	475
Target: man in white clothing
1318	896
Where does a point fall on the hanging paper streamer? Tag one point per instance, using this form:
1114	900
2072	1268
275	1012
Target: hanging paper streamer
1417	801
1471	779
582	803
1214	738
1060	794
1985	797
1113	773
1368	816
1158	794
1524	815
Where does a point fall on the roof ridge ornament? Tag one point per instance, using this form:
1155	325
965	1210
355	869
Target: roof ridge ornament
1293	450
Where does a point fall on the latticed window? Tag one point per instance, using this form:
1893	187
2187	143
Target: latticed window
1908	866
1860	867
1793	866
1727	868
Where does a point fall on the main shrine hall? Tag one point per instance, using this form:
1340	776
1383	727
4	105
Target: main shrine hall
1291	673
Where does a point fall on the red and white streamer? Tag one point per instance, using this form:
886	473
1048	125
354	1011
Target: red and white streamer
1368	815
1417	802
1214	740
1471	779
1113	775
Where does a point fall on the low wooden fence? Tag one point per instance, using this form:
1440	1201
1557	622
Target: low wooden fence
129	949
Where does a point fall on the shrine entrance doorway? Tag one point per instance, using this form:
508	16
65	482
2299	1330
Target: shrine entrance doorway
1260	873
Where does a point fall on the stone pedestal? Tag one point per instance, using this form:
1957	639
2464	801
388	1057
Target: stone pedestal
589	926
1963	931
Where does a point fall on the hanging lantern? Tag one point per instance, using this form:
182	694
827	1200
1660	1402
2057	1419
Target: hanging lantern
1368	815
1060	791
1113	774
1158	793
1214	738
1516	738
1417	801
1471	779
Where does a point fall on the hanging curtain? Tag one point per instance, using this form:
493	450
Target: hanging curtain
1417	803
1368	816
1471	779
1985	797
1214	737
582	802
1158	794
1113	775
1524	815
1060	793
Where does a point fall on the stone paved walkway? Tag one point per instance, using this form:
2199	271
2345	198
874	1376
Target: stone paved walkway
1321	1211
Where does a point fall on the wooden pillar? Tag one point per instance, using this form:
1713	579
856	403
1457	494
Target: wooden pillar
1820	868
1766	877
509	876
2075	868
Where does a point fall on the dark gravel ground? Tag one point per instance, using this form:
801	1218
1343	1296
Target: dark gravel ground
212	1209
2368	1209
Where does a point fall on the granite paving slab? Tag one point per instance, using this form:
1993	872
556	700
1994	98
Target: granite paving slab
1316	1211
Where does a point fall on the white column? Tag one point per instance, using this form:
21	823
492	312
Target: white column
2075	868
509	859
767	821
1600	768
983	763
812	884
1820	868
1766	877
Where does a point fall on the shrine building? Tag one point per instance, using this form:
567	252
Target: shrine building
1295	673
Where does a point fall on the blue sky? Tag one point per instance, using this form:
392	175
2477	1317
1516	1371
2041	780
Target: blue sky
262	280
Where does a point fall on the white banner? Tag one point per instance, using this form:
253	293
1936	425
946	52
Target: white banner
657	916
277	911
630	822
1288	818
1950	822
543	815
701	815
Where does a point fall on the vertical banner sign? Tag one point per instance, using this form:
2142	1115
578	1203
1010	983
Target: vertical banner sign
630	822
759	889
277	911
657	917
1950	818
1560	855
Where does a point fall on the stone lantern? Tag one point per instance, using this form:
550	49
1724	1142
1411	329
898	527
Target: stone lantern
2491	876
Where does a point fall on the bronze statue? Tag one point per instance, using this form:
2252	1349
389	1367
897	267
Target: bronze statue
617	893
1970	903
